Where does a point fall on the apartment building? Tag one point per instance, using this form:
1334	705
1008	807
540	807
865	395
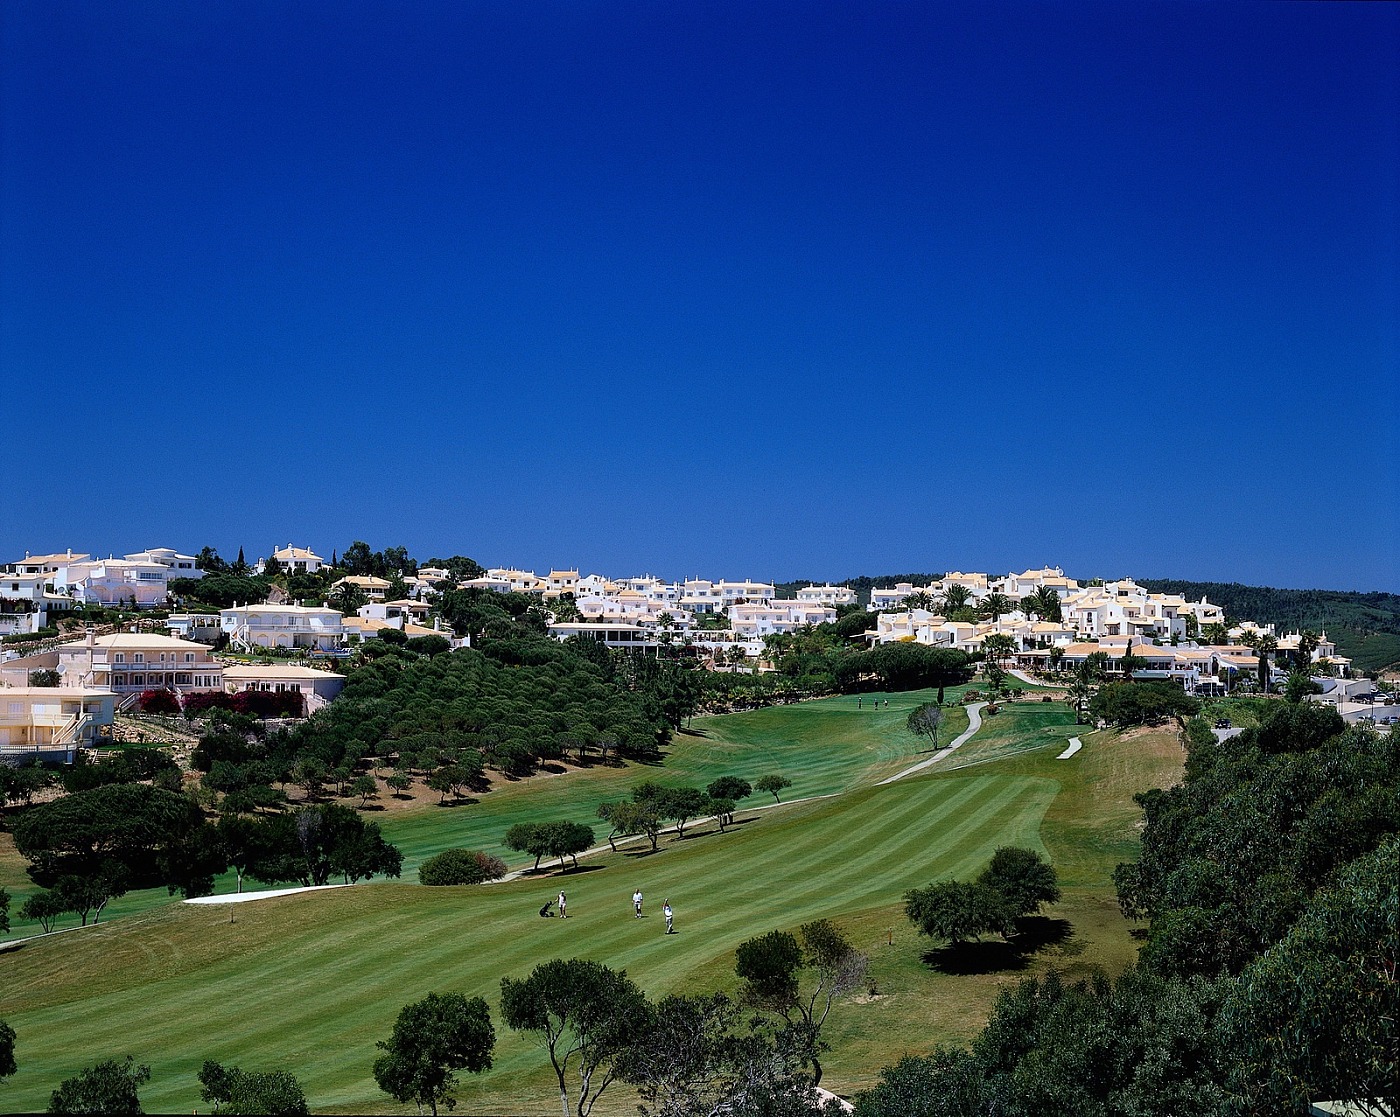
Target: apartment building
114	581
827	595
179	566
51	723
124	662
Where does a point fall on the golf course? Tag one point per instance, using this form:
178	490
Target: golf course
308	983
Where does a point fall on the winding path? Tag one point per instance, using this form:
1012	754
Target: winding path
974	723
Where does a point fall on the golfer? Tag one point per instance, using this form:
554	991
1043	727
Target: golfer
637	904
562	913
666	911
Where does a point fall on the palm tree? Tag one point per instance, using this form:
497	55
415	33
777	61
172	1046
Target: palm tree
996	605
1215	633
1056	655
1046	603
955	597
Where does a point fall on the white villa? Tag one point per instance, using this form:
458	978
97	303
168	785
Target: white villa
114	581
180	566
299	560
376	589
45	564
763	618
827	595
25	602
283	626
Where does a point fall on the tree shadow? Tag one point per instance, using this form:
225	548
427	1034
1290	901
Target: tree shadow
464	801
553	768
578	870
693	732
371	807
1034	934
647	852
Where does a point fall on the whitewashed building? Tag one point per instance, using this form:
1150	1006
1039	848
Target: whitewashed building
315	628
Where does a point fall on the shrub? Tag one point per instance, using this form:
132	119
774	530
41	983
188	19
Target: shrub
159	702
460	866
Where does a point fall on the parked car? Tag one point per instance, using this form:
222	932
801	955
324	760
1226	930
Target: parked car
1223	723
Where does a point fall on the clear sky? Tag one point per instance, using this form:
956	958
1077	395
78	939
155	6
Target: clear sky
746	289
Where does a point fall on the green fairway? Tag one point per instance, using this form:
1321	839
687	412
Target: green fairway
823	746
309	983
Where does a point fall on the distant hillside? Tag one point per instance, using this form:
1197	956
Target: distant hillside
1366	626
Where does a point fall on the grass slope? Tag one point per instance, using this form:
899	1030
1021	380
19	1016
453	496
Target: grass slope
309	983
823	746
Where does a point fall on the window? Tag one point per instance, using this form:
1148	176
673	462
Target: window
189	657
120	657
182	680
119	680
138	657
138	680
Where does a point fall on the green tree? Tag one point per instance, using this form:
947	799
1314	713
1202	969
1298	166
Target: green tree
997	605
1264	645
1130	664
955	599
107	1087
698	1059
1125	704
529	837
88	895
1299	686
772	784
366	787
236	1091
958	910
999	646
729	787
924	720
347	598
1023	877
432	1039
1316	1015
586	1015
8	1066
460	866
44	908
771	968
1046	603
681	804
312	844
629	817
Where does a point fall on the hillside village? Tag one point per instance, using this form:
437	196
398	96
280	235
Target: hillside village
86	638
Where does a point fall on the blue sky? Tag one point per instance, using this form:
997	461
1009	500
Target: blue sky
753	289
